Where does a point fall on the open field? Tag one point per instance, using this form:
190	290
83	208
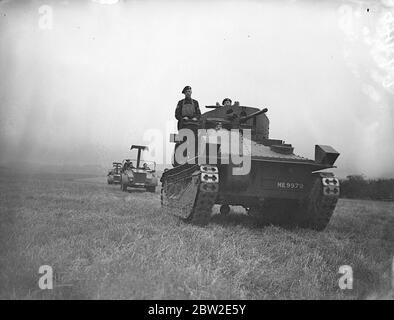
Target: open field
107	244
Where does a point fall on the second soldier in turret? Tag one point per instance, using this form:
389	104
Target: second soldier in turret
227	102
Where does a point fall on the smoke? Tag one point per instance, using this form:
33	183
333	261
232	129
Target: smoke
81	85
369	28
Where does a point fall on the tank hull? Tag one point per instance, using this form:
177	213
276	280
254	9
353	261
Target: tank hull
267	180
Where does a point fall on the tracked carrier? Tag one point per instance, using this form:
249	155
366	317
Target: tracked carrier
280	188
137	173
113	176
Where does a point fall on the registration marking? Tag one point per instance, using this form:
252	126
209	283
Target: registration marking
289	185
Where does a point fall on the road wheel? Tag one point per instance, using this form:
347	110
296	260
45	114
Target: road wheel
224	209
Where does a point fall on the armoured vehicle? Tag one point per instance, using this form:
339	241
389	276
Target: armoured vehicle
137	173
113	176
280	188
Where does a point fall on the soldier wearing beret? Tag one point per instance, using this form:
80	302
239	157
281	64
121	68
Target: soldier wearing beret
187	108
227	102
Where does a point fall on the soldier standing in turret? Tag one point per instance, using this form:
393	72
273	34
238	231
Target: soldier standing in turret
187	108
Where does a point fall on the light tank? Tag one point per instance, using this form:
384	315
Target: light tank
277	187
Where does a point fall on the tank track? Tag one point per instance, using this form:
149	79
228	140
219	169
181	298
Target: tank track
322	201
190	191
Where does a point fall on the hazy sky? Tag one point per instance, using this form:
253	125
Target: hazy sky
84	90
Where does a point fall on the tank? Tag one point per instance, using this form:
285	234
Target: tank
274	185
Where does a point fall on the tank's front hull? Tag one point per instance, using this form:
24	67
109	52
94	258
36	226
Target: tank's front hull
281	193
265	180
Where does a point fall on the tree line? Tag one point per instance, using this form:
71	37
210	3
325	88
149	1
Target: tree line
358	187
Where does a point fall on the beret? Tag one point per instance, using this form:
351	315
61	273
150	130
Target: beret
186	88
226	99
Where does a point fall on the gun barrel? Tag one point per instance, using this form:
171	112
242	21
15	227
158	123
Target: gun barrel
255	114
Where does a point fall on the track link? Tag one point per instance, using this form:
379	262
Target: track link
322	201
190	191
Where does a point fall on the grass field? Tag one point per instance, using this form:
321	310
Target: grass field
106	244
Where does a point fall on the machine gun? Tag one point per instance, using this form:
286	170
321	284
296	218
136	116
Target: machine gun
253	115
231	120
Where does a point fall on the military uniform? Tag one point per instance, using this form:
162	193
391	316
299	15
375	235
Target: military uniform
187	107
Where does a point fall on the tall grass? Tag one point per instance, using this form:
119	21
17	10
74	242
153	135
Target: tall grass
106	244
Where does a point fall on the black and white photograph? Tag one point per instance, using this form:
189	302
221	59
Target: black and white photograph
196	155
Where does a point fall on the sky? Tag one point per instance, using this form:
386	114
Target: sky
80	82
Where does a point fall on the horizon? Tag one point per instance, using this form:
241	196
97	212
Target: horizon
102	76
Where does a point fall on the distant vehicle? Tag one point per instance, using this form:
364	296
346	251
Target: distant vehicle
137	173
114	175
